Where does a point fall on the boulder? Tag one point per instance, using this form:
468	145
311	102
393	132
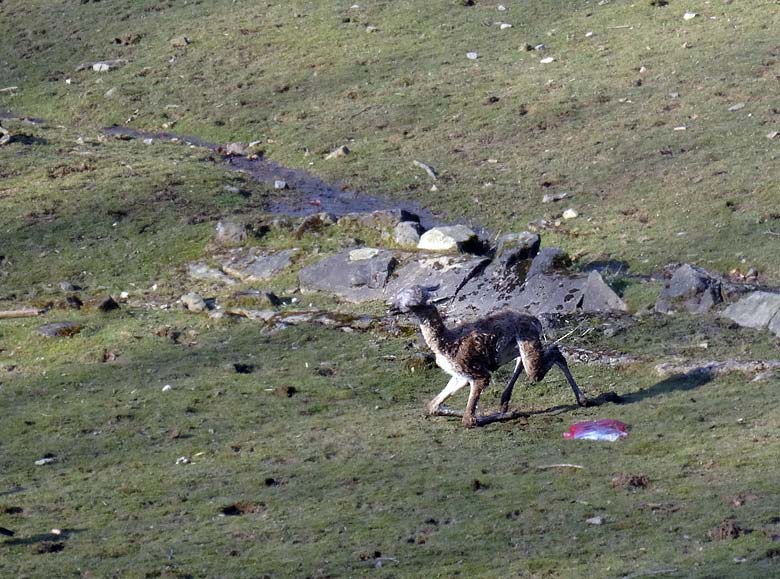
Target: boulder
450	238
690	288
355	276
548	260
229	233
249	266
194	302
407	234
448	274
599	297
756	310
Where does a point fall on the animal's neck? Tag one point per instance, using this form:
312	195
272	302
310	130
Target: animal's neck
433	328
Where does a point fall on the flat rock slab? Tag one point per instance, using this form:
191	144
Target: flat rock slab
250	266
60	330
359	278
446	273
203	271
599	297
756	310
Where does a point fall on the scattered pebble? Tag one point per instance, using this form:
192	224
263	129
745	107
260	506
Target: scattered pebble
472	55
772	135
547	60
501	8
540	47
589	34
595	521
167	388
737	107
183	460
279	184
45	460
504	25
570	214
681	128
338	153
148	141
550	197
689	15
56	531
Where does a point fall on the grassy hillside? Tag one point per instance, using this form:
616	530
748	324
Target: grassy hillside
307	454
503	130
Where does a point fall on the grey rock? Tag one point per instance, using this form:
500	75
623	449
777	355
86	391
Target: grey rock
59	330
756	310
599	297
228	233
248	266
690	288
356	280
194	302
180	41
446	273
235	150
280	184
551	293
407	234
338	153
514	248
774	324
67	286
449	238
548	260
203	271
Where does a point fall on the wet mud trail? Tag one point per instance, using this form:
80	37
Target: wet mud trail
306	194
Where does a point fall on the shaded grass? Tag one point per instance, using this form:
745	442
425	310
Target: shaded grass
348	467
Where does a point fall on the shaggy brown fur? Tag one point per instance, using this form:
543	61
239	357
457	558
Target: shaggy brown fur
469	353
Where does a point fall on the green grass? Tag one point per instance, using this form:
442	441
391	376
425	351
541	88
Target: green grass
348	472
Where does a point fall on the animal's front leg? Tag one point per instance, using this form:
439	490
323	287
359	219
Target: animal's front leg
507	395
470	416
433	408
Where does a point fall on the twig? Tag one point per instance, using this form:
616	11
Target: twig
559	465
770	232
23	313
562	338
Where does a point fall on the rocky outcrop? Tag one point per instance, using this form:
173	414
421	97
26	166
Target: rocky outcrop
249	265
758	309
356	276
690	289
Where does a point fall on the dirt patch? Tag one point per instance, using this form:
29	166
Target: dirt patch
285	391
630	481
727	530
243	508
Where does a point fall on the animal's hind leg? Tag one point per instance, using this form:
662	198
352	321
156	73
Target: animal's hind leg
506	396
478	385
433	407
538	362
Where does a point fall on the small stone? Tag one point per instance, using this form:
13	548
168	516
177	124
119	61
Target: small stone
194	302
595	521
456	237
183	460
201	270
235	150
589	34
501	8
737	107
689	15
547	60
570	214
279	184
772	135
550	197
167	388
101	67
472	55
539	47
504	25
229	233
46	460
407	234
180	41
110	93
107	304
370	28
67	286
124	295
338	153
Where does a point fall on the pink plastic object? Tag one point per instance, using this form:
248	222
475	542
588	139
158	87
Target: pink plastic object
607	429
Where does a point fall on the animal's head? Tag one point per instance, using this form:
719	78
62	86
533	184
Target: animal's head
411	299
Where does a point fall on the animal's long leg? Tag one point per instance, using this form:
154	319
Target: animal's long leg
507	394
478	385
433	407
552	357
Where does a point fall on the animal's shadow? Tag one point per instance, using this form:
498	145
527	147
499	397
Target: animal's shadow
676	383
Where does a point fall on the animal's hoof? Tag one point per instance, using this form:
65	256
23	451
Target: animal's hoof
504	409
469	421
582	401
430	410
